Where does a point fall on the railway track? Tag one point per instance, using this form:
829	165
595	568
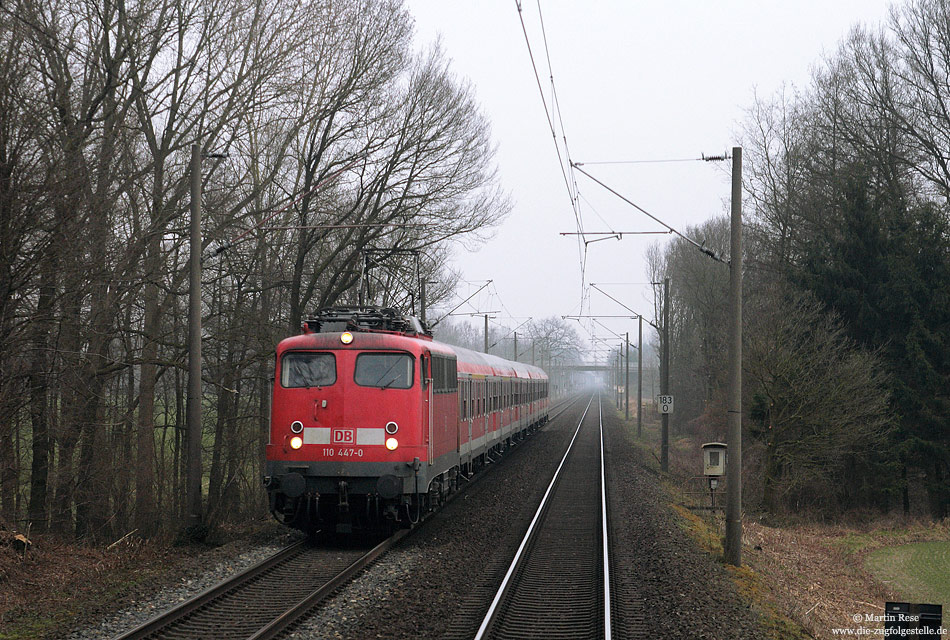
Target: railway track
267	598
262	601
558	585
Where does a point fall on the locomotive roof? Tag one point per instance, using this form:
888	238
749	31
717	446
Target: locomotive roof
470	362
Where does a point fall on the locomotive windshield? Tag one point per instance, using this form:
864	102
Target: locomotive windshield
384	370
307	369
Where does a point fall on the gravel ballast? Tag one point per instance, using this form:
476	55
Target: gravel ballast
676	590
438	582
206	573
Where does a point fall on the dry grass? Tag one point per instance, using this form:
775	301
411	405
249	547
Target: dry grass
58	585
820	569
803	577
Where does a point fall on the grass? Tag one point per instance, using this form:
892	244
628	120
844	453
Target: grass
919	572
705	532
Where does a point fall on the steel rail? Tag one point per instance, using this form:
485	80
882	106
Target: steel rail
603	510
529	535
189	606
298	611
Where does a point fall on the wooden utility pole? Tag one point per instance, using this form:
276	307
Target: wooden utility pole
193	471
665	379
733	542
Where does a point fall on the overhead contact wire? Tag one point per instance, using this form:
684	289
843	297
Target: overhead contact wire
581	248
701	247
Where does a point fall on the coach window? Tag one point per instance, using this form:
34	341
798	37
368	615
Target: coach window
384	370
299	369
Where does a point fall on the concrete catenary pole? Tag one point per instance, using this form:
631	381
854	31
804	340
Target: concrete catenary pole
733	546
626	380
665	379
516	347
617	375
486	333
193	412
640	377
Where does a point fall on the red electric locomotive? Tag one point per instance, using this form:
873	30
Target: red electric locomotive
373	422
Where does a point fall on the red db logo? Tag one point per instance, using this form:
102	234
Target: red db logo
344	436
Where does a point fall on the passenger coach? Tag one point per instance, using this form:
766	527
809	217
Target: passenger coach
373	422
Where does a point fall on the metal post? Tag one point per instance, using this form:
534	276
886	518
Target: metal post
640	379
363	268
619	369
193	472
422	300
626	381
486	333
733	546
665	379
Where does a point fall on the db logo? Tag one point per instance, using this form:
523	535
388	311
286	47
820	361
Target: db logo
344	436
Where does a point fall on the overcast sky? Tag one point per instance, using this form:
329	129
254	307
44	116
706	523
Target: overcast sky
635	81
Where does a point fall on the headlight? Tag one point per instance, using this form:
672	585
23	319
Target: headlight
391	444
296	442
392	428
296	426
346	337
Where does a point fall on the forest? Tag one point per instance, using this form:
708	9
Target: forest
846	315
342	164
325	136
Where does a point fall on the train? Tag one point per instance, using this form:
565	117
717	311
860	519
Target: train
373	423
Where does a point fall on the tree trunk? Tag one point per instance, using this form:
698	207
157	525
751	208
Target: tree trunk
8	473
216	477
38	379
68	431
770	481
145	506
